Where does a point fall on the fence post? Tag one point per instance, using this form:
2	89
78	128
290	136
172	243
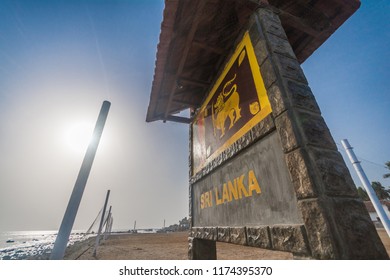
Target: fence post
101	223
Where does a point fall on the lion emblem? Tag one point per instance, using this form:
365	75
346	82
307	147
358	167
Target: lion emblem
227	106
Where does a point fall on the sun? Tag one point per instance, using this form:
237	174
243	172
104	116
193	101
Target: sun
78	136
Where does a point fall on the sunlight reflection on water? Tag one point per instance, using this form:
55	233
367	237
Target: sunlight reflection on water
20	245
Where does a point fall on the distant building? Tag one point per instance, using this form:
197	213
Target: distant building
183	225
373	215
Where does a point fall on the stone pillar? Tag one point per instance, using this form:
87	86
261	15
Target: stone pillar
202	249
335	220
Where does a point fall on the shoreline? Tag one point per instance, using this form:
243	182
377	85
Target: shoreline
26	245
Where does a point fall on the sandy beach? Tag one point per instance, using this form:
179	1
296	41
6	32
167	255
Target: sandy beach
170	246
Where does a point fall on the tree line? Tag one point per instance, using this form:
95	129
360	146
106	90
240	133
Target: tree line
382	192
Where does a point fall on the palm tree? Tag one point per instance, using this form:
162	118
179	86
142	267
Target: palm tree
387	175
363	194
381	191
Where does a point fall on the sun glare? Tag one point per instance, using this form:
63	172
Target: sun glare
78	136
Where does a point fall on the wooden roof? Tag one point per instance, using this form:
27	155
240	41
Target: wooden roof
197	36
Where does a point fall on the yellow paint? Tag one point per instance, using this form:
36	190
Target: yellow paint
226	109
241	187
206	200
264	105
237	189
217	199
225	194
253	185
233	193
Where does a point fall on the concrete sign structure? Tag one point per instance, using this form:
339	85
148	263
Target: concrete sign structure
232	195
264	169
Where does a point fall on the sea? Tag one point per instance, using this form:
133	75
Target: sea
25	245
22	245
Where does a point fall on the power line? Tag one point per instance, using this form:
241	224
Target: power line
374	163
365	160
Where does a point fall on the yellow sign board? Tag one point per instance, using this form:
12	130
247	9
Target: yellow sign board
237	102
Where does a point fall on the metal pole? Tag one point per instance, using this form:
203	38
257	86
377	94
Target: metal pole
111	222
78	189
110	225
366	183
108	217
107	227
107	223
101	223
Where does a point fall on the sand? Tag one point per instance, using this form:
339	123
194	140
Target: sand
385	239
159	246
170	246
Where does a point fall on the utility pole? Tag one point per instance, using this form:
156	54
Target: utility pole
367	185
78	190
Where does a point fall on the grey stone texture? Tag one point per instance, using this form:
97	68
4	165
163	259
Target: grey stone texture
314	130
267	70
209	233
290	239
301	175
259	237
333	173
335	223
357	231
289	68
288	132
319	233
223	234
238	235
333	218
302	97
202	249
276	99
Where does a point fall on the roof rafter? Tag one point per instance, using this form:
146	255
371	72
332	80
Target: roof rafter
188	43
184	80
197	37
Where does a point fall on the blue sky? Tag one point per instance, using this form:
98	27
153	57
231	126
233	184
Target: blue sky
60	59
350	77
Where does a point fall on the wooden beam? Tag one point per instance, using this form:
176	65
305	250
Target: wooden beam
216	50
178	119
297	23
183	59
198	83
187	103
